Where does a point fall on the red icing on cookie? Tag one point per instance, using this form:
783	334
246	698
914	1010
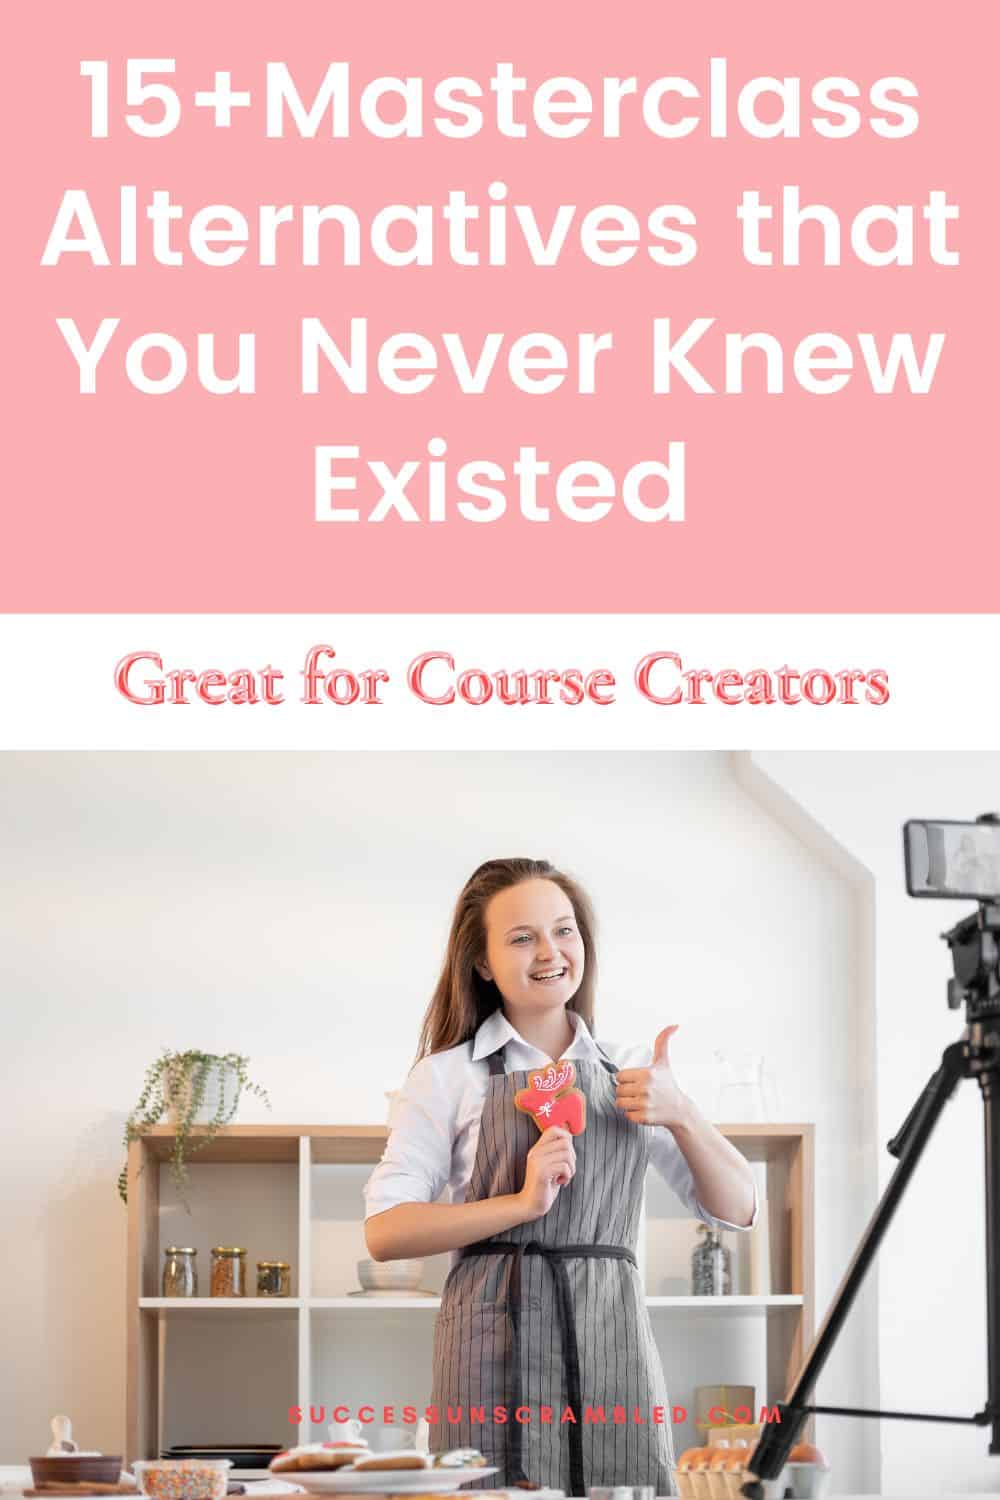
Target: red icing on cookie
550	1098
569	1111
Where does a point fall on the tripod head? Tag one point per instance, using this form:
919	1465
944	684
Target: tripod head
975	954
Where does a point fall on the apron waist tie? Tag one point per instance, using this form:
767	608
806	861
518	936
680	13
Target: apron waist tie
555	1256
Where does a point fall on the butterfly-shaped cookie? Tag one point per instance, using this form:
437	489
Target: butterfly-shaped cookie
550	1098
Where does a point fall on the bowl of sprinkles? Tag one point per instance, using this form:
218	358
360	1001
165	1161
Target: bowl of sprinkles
183	1478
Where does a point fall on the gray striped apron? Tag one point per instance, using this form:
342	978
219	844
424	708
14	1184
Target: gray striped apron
553	1315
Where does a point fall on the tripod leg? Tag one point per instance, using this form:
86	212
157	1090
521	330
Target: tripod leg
988	1086
778	1439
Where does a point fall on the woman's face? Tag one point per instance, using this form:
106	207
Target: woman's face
534	951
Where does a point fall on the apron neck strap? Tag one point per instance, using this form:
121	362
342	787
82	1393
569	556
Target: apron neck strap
605	1059
496	1064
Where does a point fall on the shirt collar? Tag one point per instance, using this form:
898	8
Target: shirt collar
496	1031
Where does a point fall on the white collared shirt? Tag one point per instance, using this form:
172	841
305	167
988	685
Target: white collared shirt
436	1119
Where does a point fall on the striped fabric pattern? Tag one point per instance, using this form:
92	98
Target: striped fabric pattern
619	1361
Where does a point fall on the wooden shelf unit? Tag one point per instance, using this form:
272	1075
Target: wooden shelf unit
787	1315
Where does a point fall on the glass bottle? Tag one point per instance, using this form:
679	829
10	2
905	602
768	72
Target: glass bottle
710	1265
229	1271
744	1093
180	1271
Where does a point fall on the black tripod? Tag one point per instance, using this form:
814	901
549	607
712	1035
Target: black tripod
975	952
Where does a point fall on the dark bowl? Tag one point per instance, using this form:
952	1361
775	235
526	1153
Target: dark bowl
102	1468
241	1457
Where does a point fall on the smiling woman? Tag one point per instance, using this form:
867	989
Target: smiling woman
541	1136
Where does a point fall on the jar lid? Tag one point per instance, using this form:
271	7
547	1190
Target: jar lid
227	1250
180	1250
274	1265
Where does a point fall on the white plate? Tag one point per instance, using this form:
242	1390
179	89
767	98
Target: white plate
386	1481
385	1291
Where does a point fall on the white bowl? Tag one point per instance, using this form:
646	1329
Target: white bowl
390	1275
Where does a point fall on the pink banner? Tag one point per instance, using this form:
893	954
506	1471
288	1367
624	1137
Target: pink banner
825	442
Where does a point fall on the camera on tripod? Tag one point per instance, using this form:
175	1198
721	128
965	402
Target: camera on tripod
960	862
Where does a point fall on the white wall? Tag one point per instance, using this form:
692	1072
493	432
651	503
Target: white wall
294	907
931	1276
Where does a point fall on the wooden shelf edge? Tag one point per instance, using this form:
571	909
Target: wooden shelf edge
355	1145
261	1144
384	1304
369	1132
776	1299
265	1130
684	1303
402	1302
204	1304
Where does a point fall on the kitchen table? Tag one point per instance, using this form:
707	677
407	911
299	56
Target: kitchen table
16	1478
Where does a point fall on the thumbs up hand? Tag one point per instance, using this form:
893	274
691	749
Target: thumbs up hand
651	1096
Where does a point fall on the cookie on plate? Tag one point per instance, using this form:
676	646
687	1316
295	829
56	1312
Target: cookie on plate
318	1456
460	1458
395	1458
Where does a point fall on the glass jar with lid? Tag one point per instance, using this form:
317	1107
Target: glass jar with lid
180	1272
229	1271
710	1265
274	1278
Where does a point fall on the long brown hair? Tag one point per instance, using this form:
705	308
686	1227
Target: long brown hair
462	997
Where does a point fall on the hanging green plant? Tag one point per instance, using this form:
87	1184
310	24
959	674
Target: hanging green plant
179	1084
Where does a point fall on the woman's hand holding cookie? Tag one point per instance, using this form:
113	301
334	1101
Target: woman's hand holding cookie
550	1165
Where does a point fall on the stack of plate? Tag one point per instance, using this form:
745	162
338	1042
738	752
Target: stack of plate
240	1455
399	1276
